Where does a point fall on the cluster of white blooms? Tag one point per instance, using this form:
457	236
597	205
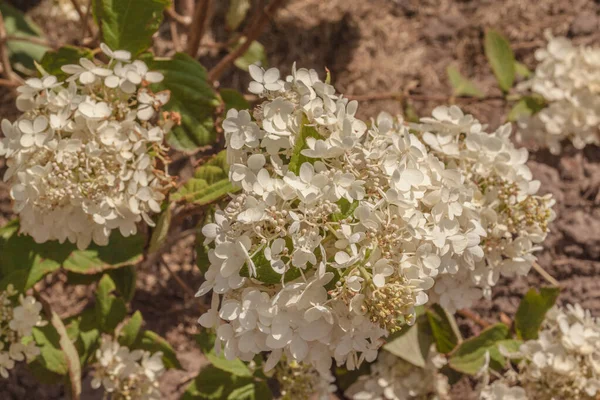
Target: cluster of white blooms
126	374
302	381
499	390
16	322
341	230
568	78
86	155
501	201
563	363
392	378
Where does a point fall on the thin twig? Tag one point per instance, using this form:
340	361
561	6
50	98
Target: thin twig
179	281
199	24
82	16
252	33
549	278
4	60
184	20
399	96
30	39
473	317
175	35
85	26
9	83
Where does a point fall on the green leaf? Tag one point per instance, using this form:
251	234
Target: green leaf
124	279
110	310
84	332
233	99
532	311
521	70
192	96
159	235
254	55
215	384
51	357
346	209
414	344
70	354
198	191
236	13
17	24
131	330
129	24
265	273
235	367
152	342
53	60
509	345
526	107
501	58
298	159
444	329
251	391
469	356
462	85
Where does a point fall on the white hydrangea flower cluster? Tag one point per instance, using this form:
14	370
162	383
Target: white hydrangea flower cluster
511	219
392	378
564	362
302	381
86	156
16	323
568	78
127	374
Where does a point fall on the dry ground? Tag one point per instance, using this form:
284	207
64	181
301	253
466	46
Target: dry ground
375	46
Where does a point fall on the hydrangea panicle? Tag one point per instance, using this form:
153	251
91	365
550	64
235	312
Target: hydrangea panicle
87	155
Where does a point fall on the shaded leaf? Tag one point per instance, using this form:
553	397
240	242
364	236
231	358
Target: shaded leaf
129	24
236	367
501	58
236	13
51	357
254	55
233	99
251	391
191	95
469	356
130	331
198	191
110	310
414	344
521	70
526	107
443	328
462	86
532	311
297	158
159	235
53	60
124	279
18	24
153	342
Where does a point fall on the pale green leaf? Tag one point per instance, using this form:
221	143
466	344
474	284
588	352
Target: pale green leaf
131	330
198	191
110	310
18	24
129	24
159	235
501	58
192	96
413	345
532	311
521	70
469	356
236	13
254	55
51	357
526	107
298	158
462	86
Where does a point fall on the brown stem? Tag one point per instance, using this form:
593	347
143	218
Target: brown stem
179	281
85	25
199	23
418	97
473	317
180	19
549	278
252	33
175	35
82	16
9	83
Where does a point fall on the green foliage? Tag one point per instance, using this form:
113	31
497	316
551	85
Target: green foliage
521	70
191	95
84	333
236	13
469	357
131	330
233	99
53	60
501	58
224	379
24	262
210	183
129	24
254	55
346	209
17	24
110	309
413	344
298	159
532	311
462	86
70	354
265	272
152	342
526	107
444	329
159	235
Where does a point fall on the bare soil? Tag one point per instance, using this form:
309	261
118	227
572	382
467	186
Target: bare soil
370	47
